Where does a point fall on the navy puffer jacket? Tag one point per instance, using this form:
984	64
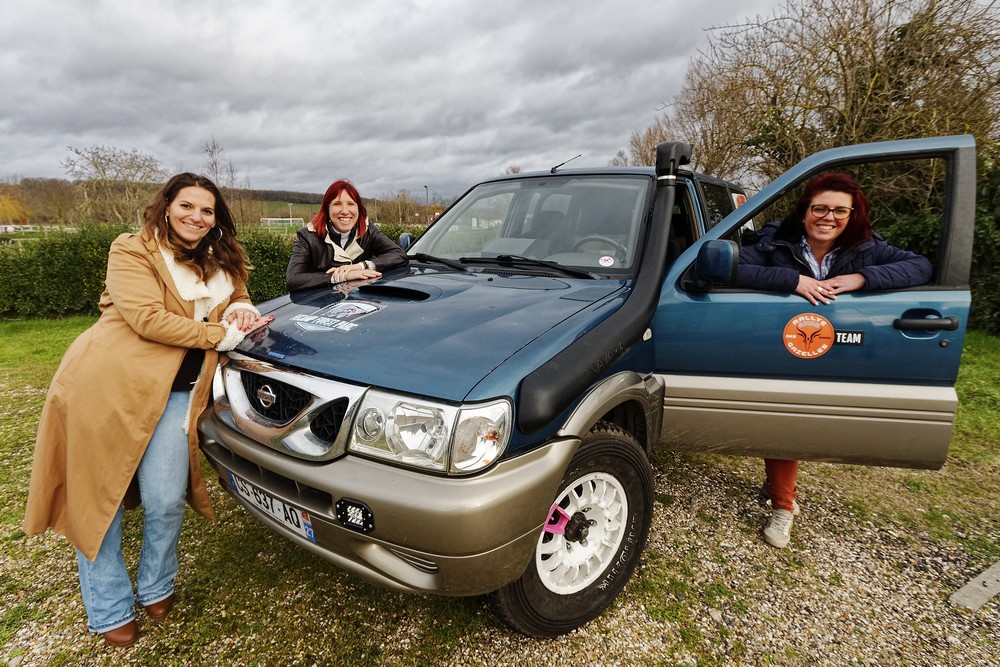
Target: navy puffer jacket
775	263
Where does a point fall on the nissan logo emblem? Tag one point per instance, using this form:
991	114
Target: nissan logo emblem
266	396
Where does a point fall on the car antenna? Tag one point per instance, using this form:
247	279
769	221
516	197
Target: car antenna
555	168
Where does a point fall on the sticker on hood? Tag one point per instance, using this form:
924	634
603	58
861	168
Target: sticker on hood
341	316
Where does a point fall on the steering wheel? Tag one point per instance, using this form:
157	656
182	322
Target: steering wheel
604	239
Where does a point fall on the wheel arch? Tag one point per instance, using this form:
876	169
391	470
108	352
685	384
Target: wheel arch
629	400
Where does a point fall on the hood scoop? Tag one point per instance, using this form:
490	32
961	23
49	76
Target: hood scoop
393	292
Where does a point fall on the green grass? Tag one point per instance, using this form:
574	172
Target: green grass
33	348
251	597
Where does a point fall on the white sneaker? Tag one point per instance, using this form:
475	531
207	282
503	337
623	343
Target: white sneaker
795	506
778	530
765	495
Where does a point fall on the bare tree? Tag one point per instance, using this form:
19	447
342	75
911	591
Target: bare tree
51	200
115	183
396	208
235	187
12	209
215	165
642	146
822	73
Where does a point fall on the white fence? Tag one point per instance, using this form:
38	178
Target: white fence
282	222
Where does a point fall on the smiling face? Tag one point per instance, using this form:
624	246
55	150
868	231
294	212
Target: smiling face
192	214
343	212
823	232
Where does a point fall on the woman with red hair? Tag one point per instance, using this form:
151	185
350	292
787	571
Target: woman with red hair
338	245
826	246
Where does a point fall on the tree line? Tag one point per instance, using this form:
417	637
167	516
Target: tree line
111	185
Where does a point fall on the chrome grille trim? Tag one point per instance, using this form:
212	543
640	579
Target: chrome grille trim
284	401
291	432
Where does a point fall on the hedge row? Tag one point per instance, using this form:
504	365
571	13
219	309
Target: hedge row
63	273
59	274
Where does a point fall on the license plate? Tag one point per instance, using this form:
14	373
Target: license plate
293	518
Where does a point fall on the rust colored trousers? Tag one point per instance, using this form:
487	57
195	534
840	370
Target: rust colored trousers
781	476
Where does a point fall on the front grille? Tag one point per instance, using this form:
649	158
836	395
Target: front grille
272	399
326	424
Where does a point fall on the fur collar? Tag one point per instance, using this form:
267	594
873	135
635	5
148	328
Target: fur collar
204	296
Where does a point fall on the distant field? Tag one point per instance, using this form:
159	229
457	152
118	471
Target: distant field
279	209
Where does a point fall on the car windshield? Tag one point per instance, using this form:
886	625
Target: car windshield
587	222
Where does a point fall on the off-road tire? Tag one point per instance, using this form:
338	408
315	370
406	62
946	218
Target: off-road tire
569	582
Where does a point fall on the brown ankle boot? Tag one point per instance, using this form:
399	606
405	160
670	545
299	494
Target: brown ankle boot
123	635
159	610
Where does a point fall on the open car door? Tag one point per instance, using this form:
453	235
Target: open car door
868	378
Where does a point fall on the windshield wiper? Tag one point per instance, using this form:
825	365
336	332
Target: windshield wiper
431	259
520	260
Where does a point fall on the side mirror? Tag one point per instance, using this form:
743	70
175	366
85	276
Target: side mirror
717	264
405	240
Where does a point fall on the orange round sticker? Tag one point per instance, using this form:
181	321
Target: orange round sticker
808	336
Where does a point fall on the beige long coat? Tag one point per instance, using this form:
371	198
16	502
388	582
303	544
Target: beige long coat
111	388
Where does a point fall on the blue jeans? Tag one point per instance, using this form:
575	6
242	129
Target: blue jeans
163	478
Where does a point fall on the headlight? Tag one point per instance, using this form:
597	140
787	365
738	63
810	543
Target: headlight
431	435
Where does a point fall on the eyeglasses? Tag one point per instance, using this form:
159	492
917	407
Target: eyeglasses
839	213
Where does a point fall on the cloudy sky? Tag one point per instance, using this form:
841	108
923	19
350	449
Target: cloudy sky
389	93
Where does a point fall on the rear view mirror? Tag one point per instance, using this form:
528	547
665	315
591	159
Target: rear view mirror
716	264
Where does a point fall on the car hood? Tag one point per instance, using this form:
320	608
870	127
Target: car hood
424	332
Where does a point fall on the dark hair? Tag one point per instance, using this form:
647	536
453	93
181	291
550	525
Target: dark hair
217	251
322	218
859	227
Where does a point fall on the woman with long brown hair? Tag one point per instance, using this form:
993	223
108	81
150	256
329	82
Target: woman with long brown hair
118	425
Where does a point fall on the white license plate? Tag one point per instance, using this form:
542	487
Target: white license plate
293	518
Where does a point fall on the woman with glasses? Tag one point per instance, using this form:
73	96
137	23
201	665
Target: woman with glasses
824	247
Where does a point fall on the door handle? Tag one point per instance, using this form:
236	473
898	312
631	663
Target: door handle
949	323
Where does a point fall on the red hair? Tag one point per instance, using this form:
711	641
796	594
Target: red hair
322	218
859	226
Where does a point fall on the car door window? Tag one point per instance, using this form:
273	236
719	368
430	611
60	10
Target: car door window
718	203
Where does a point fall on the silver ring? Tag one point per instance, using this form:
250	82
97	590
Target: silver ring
819	289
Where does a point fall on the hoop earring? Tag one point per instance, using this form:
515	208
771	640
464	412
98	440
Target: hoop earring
166	218
218	229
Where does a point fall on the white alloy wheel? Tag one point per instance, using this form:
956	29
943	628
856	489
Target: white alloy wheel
587	526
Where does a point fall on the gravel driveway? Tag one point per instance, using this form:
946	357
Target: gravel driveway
844	593
709	592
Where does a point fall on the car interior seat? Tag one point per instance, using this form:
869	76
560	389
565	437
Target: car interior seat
551	226
680	237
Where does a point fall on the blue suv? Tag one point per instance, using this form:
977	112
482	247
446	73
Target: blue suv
480	421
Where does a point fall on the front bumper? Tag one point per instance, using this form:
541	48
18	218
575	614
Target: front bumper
443	535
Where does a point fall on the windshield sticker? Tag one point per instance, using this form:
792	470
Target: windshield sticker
607	261
340	316
808	336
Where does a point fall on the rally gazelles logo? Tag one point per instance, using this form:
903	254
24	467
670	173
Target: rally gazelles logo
808	336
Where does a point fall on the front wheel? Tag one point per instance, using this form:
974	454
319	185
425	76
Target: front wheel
591	543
